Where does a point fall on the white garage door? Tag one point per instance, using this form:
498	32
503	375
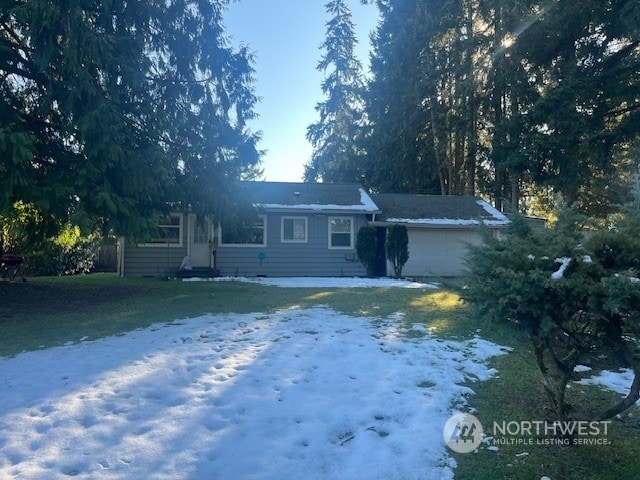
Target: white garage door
437	252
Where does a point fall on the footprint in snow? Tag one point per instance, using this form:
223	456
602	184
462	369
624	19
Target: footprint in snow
71	471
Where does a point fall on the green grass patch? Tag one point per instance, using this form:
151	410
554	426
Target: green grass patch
516	394
51	311
46	312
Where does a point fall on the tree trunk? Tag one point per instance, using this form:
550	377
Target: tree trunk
435	130
634	392
515	192
552	387
472	124
627	402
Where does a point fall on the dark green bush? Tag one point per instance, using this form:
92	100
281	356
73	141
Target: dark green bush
367	247
397	247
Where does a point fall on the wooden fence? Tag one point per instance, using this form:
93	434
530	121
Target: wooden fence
107	258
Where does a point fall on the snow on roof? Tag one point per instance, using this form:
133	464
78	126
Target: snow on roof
445	210
443	221
365	205
309	196
448	210
367	201
494	212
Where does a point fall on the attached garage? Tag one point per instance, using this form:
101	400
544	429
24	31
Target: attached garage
438	252
440	228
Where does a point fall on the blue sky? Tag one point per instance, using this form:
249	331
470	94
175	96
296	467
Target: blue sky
285	36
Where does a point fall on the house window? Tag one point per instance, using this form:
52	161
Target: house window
341	232
294	229
168	233
201	232
248	235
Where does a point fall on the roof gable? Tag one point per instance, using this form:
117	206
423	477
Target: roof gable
327	197
434	210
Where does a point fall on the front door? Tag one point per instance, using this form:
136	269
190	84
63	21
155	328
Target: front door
380	265
200	241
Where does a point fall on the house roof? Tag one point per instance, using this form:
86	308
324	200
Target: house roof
325	197
436	210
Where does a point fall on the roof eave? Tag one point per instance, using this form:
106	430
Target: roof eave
439	226
317	210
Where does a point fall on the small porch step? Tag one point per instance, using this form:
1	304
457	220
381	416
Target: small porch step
198	272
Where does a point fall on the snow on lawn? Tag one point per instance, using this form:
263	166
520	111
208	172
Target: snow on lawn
322	282
303	393
619	382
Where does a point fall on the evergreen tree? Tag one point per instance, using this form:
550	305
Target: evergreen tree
397	247
367	248
506	105
422	100
576	296
505	99
335	155
111	110
585	59
399	155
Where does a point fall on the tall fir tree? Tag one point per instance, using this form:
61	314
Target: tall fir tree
110	111
336	156
399	157
506	105
505	99
420	102
585	63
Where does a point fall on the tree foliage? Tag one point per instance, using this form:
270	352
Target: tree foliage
21	230
46	253
513	100
111	111
397	247
576	295
335	156
367	247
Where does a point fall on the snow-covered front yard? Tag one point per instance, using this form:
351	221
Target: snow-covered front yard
302	393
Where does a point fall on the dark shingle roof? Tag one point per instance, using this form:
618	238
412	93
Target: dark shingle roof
308	196
436	210
412	209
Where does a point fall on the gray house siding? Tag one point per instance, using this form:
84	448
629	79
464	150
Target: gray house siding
438	252
153	261
439	227
280	259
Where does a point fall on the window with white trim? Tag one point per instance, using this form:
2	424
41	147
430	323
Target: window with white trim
293	230
201	232
168	233
247	235
341	233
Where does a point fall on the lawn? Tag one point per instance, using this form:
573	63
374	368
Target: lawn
268	381
45	312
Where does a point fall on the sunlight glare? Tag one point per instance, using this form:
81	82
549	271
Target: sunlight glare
508	41
440	300
320	295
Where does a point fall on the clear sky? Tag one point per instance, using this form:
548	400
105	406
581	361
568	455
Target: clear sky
285	36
